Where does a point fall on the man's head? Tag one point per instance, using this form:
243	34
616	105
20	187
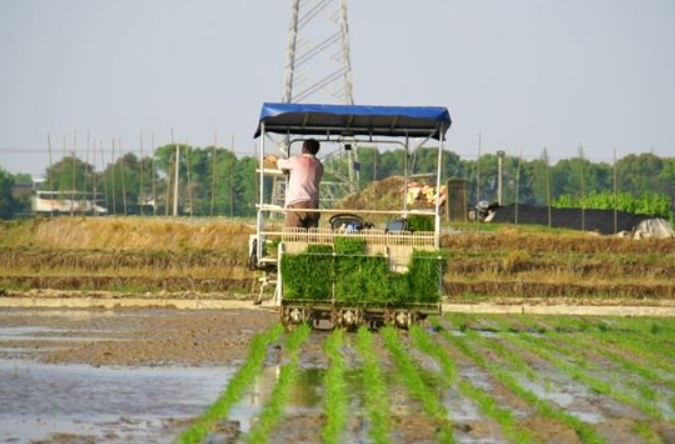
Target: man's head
310	146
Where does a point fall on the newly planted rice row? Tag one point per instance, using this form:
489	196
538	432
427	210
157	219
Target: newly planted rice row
336	399
485	401
273	409
562	356
515	371
235	388
545	407
418	389
376	401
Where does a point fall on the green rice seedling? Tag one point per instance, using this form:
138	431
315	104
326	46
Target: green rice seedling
273	409
349	245
376	400
647	432
634	366
416	386
235	389
426	270
423	342
361	278
546	408
657	352
514	361
579	373
487	404
576	349
305	273
335	398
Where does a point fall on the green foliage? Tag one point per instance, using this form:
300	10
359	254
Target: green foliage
360	278
336	399
376	397
648	203
213	181
349	245
426	270
304	274
420	223
6	199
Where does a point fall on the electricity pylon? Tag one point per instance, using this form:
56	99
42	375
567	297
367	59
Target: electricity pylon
318	70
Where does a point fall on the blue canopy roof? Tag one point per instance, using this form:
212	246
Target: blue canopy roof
347	120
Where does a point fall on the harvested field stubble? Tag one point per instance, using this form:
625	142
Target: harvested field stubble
518	264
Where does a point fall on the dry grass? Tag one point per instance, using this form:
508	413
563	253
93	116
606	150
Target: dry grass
505	263
126	233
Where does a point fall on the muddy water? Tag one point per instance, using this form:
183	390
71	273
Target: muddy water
101	404
115	376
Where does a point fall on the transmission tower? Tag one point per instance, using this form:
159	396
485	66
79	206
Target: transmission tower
318	70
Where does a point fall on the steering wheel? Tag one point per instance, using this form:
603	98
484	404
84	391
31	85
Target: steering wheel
341	220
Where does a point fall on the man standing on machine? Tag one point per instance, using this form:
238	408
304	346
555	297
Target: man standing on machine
302	192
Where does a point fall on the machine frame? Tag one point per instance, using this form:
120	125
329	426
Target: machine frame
407	127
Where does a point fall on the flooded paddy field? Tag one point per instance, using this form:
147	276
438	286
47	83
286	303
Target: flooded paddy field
225	376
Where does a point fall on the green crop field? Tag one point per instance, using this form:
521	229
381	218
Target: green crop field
459	378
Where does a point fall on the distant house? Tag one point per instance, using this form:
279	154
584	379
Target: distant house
65	202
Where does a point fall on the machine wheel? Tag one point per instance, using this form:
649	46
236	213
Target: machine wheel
400	318
349	318
293	316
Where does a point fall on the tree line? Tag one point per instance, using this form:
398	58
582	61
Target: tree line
213	181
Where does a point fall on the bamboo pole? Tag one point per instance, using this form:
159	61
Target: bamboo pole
548	189
51	174
74	167
105	182
232	179
520	161
124	187
176	161
141	190
478	169
85	173
616	199
583	202
112	177
213	170
176	170
187	172
93	176
154	174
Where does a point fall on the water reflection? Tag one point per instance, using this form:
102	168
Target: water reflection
109	404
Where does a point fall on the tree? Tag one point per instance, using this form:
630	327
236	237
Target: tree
121	184
225	182
246	189
7	202
638	174
69	174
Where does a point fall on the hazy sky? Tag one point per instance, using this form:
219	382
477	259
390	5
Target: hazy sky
522	74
